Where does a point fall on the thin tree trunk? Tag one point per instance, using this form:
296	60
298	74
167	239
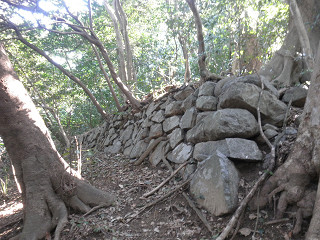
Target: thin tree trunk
46	181
122	18
187	73
204	73
122	66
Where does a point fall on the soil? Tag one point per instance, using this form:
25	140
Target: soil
171	218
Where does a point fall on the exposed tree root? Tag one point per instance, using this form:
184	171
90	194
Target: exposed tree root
198	212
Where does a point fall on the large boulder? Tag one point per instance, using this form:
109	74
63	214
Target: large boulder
246	96
234	148
215	185
225	123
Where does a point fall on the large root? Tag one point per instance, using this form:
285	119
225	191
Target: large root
45	205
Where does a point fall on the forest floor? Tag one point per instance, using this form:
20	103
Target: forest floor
171	218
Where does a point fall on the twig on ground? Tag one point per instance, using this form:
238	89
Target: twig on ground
238	226
149	149
257	219
159	199
198	212
165	181
277	221
95	209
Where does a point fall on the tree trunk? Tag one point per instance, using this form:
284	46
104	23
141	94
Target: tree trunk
45	180
287	66
204	73
122	65
187	72
293	178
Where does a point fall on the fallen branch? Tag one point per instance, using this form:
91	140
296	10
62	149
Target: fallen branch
95	209
198	212
149	149
277	221
159	199
166	180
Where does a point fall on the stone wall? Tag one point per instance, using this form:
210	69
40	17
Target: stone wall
210	126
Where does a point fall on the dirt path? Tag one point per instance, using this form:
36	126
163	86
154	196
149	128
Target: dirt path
171	218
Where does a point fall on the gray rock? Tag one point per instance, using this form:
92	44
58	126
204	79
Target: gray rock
138	149
159	152
207	103
183	94
269	126
171	123
126	135
158	117
207	89
146	123
246	96
215	185
202	115
153	106
173	108
235	148
220	84
222	124
156	131
127	150
186	172
270	133
115	148
182	153
175	137
298	96
142	134
291	131
188	120
189	102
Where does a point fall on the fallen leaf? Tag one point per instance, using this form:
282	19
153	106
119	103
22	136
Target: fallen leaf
245	231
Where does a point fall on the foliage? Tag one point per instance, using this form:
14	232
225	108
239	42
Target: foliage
154	29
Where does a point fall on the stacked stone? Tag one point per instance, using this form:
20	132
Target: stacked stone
212	127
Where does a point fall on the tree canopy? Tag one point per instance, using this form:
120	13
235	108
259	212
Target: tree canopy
239	37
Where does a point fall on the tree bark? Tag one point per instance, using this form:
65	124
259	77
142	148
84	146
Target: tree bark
187	72
287	66
204	73
46	181
122	65
293	178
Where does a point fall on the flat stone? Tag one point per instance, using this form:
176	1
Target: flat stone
182	153
158	117
156	131
176	137
183	94
189	102
215	185
171	123
235	148
159	152
173	108
188	120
